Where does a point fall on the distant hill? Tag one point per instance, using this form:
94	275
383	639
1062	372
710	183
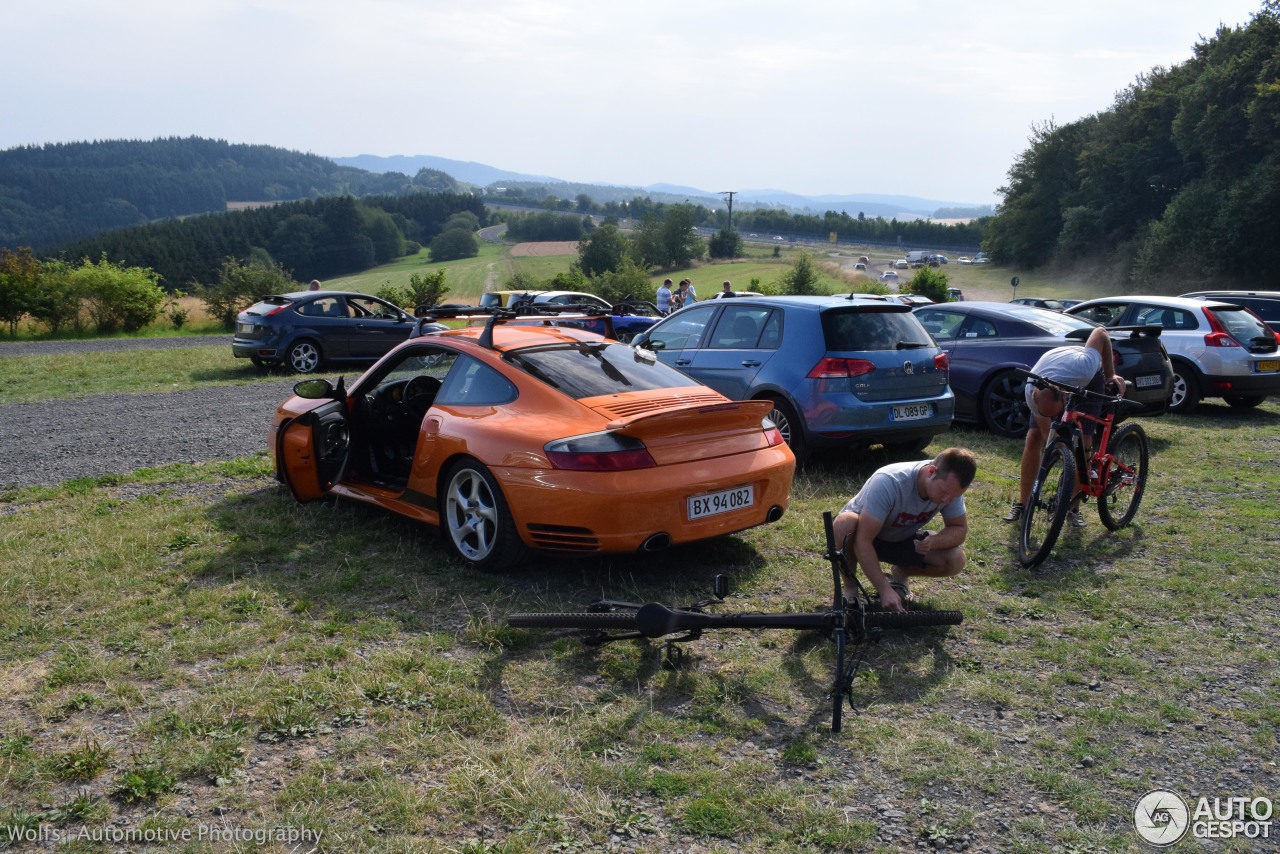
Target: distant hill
56	194
873	205
465	171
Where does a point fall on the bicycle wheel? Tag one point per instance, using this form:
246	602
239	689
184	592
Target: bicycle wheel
1047	508
603	620
916	618
1126	476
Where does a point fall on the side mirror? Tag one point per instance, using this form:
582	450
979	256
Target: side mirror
314	389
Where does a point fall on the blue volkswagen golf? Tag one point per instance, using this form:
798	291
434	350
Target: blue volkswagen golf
840	370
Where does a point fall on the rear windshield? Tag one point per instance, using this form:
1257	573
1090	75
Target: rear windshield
872	329
1243	326
1052	322
267	305
590	370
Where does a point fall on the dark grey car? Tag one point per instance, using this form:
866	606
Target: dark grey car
839	370
306	329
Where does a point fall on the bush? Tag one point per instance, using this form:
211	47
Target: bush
452	244
928	282
239	285
118	298
802	279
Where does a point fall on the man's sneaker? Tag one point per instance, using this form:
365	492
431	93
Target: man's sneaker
1076	518
1015	512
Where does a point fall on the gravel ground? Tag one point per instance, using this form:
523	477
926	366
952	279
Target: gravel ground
57	440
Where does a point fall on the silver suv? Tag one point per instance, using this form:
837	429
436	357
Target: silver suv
1217	349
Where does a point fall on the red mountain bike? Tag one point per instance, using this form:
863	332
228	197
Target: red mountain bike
1115	473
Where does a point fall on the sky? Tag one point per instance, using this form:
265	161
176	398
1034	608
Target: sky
817	97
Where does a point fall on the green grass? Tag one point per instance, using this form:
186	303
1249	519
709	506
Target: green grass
189	638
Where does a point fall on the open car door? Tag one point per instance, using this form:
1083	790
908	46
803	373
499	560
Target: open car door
313	450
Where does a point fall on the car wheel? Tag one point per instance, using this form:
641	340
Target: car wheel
1244	401
790	426
304	357
477	521
1186	389
1004	407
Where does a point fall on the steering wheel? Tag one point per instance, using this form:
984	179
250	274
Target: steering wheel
419	393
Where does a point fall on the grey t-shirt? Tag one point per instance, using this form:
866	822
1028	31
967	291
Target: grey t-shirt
891	494
1072	365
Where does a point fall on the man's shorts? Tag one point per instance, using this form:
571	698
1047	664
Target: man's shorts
901	553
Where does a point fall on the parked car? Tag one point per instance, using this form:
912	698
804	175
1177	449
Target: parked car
964	259
722	294
836	370
629	317
305	330
955	295
1265	304
1067	303
1217	349
901	264
989	344
860	265
889	276
1038	302
516	437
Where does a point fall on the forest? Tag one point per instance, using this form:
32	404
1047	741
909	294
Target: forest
1178	181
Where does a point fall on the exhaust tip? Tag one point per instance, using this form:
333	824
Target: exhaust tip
775	513
656	543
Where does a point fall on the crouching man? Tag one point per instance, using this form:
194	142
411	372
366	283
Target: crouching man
883	523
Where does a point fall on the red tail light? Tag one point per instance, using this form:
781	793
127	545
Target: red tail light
1218	336
772	434
832	368
942	362
599	452
277	310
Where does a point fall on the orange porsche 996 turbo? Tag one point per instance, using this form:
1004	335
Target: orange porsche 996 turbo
514	438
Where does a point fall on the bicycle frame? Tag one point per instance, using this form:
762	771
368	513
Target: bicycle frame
1092	469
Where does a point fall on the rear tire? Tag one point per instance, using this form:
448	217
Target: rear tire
477	521
602	620
304	357
1047	507
1186	389
1244	401
1004	408
1126	476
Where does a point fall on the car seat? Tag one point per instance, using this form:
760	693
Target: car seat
745	331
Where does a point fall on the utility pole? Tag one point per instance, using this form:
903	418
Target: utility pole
729	194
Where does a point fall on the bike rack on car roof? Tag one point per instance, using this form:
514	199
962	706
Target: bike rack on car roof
546	315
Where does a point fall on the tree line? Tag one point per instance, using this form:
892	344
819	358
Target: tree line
1178	181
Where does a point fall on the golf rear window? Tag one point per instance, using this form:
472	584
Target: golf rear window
872	329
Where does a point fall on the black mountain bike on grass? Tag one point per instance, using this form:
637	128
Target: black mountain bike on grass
858	620
1114	474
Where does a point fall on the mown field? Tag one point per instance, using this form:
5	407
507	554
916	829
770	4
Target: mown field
184	649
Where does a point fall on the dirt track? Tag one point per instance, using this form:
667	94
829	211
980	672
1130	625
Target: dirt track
558	247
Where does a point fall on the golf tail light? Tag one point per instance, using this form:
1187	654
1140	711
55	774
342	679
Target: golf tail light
830	367
942	362
599	452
